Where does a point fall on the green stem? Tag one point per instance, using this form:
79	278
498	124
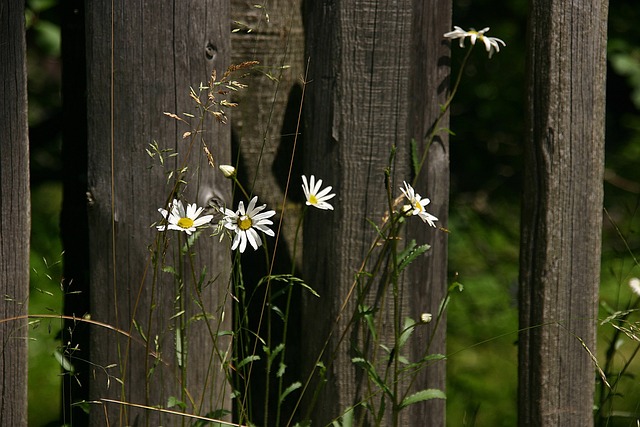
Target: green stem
285	328
435	129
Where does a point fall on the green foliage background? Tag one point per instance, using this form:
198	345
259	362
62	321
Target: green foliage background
487	118
486	170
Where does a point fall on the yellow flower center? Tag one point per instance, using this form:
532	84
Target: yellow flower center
185	223
313	199
244	222
419	206
478	34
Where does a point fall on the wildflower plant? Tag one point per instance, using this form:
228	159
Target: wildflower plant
389	372
390	375
175	250
621	348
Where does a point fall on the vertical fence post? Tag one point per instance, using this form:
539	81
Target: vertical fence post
142	59
562	211
377	78
15	225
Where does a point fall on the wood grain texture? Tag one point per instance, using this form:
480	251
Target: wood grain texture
427	278
15	223
142	58
378	74
562	211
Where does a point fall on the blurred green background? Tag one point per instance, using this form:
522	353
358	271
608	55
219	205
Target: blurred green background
487	119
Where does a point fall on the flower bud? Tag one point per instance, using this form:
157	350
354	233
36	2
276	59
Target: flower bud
228	171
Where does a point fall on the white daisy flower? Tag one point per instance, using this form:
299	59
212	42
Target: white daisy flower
245	223
417	205
314	196
178	219
634	284
491	44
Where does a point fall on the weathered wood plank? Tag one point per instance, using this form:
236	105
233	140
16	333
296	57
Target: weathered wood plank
378	75
427	279
15	224
562	211
142	57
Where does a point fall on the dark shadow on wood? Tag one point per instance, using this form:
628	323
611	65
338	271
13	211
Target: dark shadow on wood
282	161
254	268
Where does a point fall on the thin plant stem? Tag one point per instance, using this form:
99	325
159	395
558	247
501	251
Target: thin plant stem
285	327
435	129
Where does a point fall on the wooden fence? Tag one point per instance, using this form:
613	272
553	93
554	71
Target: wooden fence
377	73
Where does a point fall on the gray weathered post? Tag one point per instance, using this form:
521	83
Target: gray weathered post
16	215
142	57
562	211
378	74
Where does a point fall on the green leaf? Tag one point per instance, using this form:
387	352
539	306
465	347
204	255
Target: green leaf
407	330
169	269
415	159
290	389
373	375
84	405
410	253
277	311
203	276
47	36
456	285
248	359
138	328
173	402
383	407
445	302
272	354
180	353
288	278
191	240
281	369
41	5
421	396
217	415
178	314
403	360
64	362
368	314
346	420
427	358
435	356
